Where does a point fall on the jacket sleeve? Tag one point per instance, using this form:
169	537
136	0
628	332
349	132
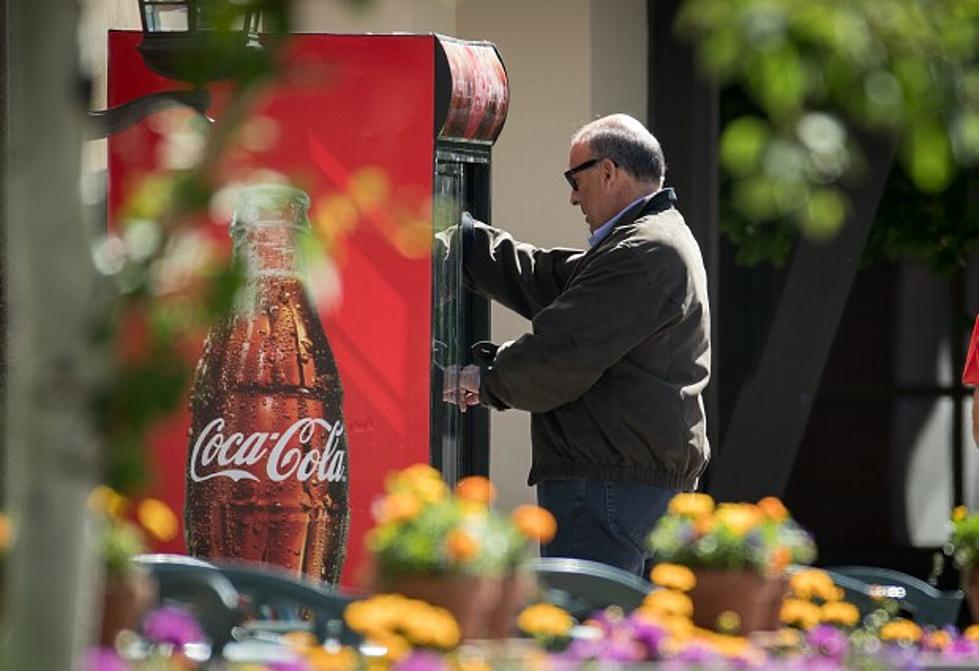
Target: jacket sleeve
610	308
519	276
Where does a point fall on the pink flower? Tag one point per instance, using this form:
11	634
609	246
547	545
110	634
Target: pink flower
172	625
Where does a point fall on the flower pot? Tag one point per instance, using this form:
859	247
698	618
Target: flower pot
754	598
516	591
972	590
126	598
469	598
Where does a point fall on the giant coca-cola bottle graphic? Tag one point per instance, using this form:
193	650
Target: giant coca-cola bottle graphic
267	455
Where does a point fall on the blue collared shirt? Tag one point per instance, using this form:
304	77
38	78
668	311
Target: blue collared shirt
604	229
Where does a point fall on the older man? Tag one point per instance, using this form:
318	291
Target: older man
619	353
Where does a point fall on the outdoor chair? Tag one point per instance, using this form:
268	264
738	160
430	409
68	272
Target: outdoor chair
200	588
269	602
582	587
919	600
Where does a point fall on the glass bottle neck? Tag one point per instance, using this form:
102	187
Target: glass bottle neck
269	249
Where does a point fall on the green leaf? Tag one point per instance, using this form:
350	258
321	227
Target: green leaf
742	143
929	155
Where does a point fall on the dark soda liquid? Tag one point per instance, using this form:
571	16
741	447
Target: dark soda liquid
266	372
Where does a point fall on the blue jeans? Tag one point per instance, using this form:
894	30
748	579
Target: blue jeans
602	520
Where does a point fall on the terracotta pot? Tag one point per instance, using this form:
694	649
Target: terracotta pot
516	591
972	590
125	599
469	598
756	599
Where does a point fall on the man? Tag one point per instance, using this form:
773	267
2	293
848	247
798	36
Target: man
619	352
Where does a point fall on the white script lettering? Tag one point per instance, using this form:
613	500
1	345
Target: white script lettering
291	455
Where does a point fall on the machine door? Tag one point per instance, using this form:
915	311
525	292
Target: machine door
459	441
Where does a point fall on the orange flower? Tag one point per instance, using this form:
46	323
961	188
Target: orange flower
6	533
773	508
704	525
959	513
937	640
535	522
399	507
780	559
476	489
461	546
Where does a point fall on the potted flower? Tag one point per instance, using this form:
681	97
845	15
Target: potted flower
738	553
452	549
128	590
963	546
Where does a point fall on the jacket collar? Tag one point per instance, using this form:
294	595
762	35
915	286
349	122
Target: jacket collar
662	200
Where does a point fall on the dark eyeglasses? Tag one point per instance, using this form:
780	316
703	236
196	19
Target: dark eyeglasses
570	173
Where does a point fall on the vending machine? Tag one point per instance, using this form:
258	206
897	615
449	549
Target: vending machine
390	138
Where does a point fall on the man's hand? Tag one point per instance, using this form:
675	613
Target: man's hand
461	386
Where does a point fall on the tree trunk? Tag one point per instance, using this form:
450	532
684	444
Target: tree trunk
51	447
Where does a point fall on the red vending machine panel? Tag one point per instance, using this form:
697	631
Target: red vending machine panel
371	128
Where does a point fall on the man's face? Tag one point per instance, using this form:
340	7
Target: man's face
589	196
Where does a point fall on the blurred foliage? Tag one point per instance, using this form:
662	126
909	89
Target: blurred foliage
166	285
821	73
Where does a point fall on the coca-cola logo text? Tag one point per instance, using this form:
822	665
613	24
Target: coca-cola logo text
282	461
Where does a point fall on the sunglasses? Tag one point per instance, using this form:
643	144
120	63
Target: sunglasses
570	173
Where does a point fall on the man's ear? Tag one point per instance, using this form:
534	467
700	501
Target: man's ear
609	169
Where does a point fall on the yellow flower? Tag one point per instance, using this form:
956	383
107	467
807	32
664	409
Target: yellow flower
107	501
421	480
461	546
157	518
668	603
691	504
322	659
476	488
938	639
431	627
814	584
679	628
799	613
839	613
378	614
724	644
972	632
740	518
397	647
787	638
545	620
534	522
673	576
472	663
900	630
959	513
773	508
729	622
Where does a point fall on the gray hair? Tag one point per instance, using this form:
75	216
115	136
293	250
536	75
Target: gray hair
625	141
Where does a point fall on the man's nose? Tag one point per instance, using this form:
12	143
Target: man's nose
574	197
